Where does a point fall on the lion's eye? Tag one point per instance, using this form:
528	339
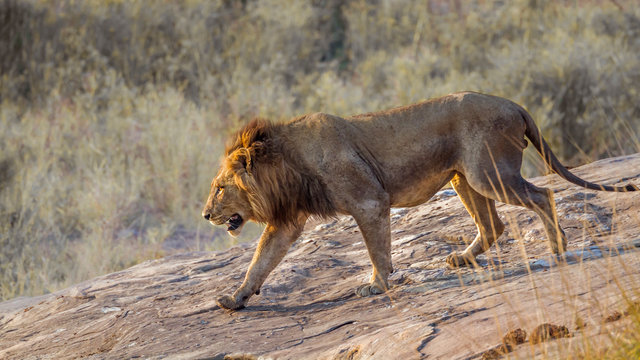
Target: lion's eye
219	190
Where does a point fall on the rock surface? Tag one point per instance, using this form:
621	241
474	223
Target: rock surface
307	308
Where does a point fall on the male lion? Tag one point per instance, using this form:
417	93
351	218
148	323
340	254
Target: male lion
322	165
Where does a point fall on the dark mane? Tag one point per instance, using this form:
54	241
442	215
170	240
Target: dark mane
279	185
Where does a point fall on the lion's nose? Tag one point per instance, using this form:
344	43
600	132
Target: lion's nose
206	216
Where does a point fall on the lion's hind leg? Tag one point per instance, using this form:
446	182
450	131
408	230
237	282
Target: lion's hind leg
483	212
512	189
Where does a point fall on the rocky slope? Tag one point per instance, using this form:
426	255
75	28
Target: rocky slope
307	308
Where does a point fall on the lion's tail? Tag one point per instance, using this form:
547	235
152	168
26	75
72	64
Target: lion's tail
533	134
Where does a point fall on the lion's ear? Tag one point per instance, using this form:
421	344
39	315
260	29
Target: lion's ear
241	161
258	150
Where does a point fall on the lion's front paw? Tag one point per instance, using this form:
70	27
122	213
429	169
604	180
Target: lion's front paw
368	290
228	302
456	260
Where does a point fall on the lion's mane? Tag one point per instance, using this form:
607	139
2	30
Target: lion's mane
277	183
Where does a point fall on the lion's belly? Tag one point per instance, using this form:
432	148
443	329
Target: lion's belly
419	191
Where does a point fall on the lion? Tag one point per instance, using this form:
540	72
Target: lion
321	165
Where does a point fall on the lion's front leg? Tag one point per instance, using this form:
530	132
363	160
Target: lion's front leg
272	247
374	223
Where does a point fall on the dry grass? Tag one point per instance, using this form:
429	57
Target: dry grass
112	114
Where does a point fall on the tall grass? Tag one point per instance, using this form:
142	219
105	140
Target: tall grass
113	113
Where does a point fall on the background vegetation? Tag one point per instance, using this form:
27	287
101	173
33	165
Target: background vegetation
113	113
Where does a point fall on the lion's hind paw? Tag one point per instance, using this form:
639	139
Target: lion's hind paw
229	303
455	260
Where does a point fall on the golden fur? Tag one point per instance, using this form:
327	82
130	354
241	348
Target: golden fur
322	165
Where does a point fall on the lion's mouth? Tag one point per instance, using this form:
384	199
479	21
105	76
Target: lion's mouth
234	222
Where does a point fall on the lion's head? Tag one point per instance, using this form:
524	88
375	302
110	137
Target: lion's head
260	180
234	187
228	201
